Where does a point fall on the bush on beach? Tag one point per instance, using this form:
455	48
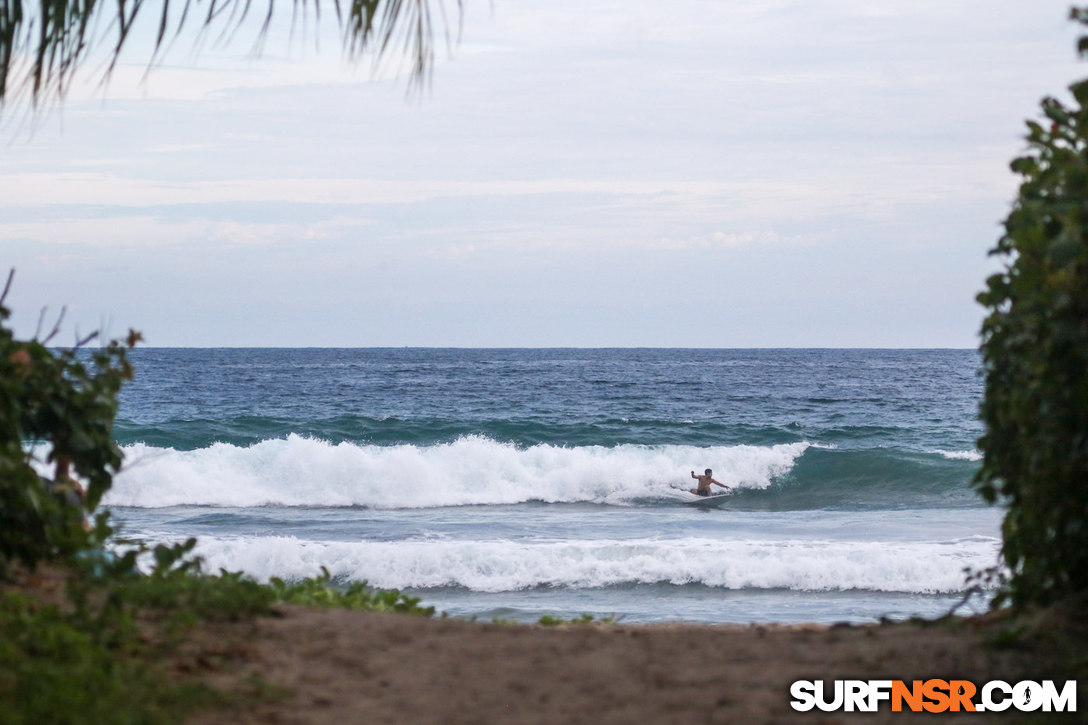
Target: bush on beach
1035	361
66	403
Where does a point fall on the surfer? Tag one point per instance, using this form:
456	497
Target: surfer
704	483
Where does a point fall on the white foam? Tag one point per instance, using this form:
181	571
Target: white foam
300	471
494	566
972	455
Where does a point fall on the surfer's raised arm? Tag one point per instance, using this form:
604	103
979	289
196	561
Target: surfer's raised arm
704	483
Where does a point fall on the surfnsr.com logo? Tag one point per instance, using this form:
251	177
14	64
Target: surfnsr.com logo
933	696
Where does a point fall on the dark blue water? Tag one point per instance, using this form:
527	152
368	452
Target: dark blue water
861	398
518	482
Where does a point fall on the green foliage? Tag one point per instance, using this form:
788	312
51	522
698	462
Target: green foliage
93	661
175	588
1035	358
177	584
64	402
1009	637
549	620
318	592
68	669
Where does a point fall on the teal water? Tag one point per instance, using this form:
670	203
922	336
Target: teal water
515	483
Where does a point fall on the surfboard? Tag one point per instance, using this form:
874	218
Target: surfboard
712	500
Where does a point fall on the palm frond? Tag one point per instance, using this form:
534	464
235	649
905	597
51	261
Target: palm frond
43	42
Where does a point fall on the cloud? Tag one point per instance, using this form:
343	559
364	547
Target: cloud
911	183
141	230
720	240
807	152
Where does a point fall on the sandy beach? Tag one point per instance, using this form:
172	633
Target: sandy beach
341	666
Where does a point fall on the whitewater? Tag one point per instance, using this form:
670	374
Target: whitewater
516	483
297	471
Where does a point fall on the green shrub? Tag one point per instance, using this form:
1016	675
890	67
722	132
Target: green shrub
62	668
62	403
104	656
549	620
1035	361
318	591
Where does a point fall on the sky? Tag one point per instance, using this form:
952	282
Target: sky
699	173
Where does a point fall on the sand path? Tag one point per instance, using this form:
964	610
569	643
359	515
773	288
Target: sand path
349	667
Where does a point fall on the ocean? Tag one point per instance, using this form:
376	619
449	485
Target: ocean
516	483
